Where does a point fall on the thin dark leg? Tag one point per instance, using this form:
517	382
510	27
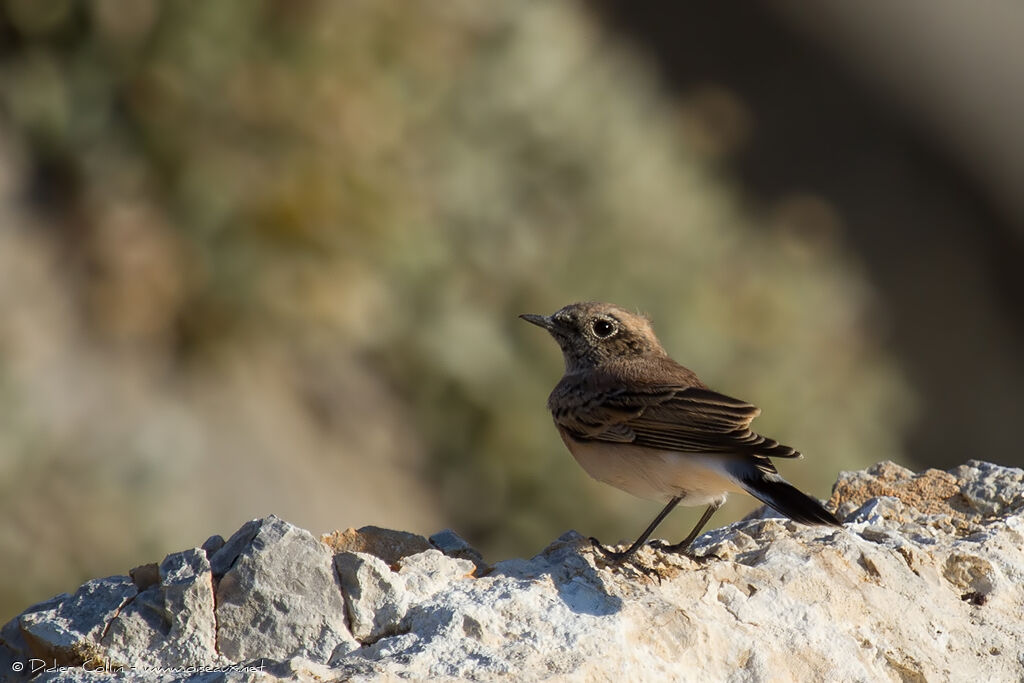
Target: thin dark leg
619	557
685	543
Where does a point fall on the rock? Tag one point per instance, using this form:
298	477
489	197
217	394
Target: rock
224	558
14	648
924	582
189	608
375	596
212	544
169	621
281	597
69	630
931	491
431	571
387	544
990	489
145	575
453	545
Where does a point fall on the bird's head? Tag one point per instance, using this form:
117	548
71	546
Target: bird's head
594	334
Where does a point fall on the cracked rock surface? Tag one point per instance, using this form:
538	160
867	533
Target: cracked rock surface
924	582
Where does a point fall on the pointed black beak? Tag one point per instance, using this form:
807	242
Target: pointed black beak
538	320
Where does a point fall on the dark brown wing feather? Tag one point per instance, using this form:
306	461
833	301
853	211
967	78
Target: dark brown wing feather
687	419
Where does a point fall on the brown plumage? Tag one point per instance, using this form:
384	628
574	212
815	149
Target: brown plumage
636	419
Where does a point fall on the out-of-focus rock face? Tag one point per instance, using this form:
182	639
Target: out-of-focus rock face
924	582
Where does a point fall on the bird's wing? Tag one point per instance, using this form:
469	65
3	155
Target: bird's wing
686	419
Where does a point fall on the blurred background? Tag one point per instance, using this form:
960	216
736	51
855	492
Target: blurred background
266	256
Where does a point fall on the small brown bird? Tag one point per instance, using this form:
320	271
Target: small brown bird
636	419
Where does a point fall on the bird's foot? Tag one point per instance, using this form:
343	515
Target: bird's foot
608	553
619	558
677	548
683	549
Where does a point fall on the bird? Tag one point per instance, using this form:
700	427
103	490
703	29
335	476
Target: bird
634	418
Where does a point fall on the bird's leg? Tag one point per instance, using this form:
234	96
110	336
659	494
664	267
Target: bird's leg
619	557
682	546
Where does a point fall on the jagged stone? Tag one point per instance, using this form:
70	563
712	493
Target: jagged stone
375	596
224	558
171	620
990	489
387	544
281	597
212	544
923	582
68	633
453	545
145	575
187	583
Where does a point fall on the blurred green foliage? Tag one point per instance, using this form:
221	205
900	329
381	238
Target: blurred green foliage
387	183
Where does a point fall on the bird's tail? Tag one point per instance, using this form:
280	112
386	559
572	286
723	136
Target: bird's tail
776	492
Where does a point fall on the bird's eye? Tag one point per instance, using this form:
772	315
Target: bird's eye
602	328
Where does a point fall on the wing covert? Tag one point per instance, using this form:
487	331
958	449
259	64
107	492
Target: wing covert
687	419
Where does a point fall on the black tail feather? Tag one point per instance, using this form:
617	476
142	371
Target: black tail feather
777	493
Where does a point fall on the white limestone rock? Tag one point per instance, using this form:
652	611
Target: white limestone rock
375	596
923	583
279	595
169	621
69	630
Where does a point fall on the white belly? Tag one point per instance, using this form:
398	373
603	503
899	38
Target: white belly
655	474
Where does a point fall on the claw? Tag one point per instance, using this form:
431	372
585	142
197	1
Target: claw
684	551
677	548
610	554
620	558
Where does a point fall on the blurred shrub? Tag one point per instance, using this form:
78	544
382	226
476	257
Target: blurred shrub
304	229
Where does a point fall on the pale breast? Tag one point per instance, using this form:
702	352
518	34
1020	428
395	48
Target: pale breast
654	474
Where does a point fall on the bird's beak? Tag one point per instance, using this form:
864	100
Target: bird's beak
539	320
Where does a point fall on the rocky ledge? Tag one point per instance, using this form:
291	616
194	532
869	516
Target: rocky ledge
924	582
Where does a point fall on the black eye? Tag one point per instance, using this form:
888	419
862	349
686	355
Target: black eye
602	328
